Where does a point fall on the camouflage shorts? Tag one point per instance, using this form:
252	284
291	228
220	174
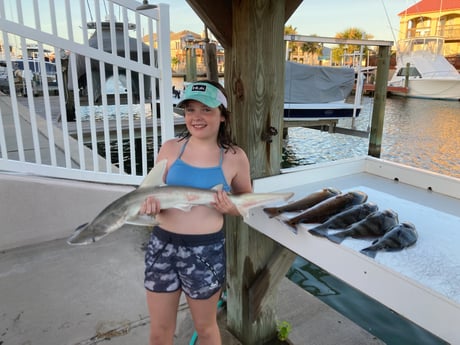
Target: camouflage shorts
193	263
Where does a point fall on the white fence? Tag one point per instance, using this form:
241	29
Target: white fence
101	115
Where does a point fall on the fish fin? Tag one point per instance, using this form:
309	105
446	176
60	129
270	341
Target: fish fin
80	227
369	252
318	232
155	176
291	226
142	220
243	212
271	211
218	187
71	240
335	238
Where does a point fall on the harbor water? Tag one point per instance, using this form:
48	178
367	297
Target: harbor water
417	132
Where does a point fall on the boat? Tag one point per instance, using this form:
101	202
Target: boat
18	67
318	92
421	67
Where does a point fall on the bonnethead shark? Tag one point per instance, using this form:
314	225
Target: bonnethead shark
126	208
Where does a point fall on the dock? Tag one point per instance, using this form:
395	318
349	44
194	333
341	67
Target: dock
370	88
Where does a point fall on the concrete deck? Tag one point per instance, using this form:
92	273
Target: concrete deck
53	293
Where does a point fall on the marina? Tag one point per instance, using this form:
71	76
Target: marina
55	158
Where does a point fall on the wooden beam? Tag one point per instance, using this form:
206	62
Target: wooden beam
268	279
217	16
290	7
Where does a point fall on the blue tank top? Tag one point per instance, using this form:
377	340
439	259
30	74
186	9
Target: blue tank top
183	174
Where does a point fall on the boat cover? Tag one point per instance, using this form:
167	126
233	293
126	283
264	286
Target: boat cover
317	84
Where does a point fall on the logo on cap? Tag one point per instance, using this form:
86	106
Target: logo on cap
201	88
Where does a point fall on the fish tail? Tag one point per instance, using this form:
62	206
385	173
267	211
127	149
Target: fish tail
318	232
271	211
336	238
291	224
369	252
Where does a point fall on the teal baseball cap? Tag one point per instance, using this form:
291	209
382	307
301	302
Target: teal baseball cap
205	93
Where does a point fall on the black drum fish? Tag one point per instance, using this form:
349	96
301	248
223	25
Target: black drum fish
345	218
374	225
397	238
304	203
327	208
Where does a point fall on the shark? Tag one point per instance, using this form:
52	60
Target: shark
125	210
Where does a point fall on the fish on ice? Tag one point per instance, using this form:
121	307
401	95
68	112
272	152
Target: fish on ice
126	208
345	218
304	203
400	236
327	208
374	225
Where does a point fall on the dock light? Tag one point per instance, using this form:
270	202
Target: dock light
145	6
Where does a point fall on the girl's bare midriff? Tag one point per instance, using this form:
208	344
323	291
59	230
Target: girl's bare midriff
199	220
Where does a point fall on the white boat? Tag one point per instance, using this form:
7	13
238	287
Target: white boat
318	92
429	75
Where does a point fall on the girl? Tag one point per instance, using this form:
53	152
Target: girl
186	251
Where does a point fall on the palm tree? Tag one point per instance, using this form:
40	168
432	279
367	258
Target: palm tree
290	30
339	54
312	48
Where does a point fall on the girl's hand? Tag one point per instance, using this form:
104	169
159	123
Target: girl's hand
150	206
223	204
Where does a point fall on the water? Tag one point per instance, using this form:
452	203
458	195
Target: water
416	132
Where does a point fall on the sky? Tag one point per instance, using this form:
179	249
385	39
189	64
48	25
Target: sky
326	18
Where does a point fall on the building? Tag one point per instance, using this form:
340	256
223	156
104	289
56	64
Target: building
188	42
434	18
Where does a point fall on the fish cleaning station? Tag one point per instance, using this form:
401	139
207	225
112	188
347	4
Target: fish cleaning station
58	175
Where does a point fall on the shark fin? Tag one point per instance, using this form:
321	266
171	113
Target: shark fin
218	187
155	176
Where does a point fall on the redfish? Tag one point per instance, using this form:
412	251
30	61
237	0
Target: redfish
304	203
327	208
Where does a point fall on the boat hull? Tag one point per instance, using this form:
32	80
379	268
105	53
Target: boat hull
320	110
447	89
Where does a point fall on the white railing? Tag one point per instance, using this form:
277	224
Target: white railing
102	115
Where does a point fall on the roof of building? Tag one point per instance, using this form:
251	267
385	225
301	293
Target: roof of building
425	6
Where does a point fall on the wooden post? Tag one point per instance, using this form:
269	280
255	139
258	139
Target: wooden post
211	62
406	75
210	58
255	263
380	96
190	64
